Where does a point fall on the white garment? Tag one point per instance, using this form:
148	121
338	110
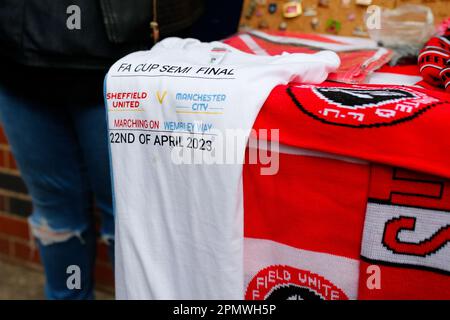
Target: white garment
179	227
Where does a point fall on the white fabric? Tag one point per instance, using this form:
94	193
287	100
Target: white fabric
339	44
339	270
179	227
392	78
426	223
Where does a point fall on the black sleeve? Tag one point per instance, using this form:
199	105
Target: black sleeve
129	21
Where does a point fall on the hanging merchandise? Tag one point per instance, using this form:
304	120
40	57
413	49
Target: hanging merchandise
292	9
282	26
272	8
444	27
359	57
351	16
404	30
364	2
263	24
310	12
315	23
333	26
324	3
346	3
434	61
250	9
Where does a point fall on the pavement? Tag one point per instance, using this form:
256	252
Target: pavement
18	282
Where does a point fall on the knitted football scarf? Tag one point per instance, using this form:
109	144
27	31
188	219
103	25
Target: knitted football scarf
360	207
434	61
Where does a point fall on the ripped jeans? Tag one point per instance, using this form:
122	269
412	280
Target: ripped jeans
62	153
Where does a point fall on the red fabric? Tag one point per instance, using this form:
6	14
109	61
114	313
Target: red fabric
324	226
405	187
320	225
411	70
405	284
335	213
350	70
309	36
274	210
420	277
318	204
406	140
434	60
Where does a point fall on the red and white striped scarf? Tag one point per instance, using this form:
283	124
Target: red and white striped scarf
360	206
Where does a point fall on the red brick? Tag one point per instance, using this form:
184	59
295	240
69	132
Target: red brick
24	252
104	274
4	246
3	137
12	161
2	159
12	226
102	252
97	220
2	203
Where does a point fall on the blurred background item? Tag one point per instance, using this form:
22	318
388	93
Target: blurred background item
404	30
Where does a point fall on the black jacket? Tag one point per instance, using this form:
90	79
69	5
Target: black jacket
35	32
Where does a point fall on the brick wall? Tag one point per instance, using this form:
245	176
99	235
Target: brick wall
15	207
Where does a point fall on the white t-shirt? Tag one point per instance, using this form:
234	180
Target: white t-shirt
179	226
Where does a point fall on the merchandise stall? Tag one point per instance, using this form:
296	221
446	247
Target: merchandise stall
360	200
344	191
360	192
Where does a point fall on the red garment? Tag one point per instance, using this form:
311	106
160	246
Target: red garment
360	207
434	61
359	57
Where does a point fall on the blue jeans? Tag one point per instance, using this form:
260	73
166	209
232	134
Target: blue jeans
62	153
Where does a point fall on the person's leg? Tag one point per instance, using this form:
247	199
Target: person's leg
91	129
46	149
